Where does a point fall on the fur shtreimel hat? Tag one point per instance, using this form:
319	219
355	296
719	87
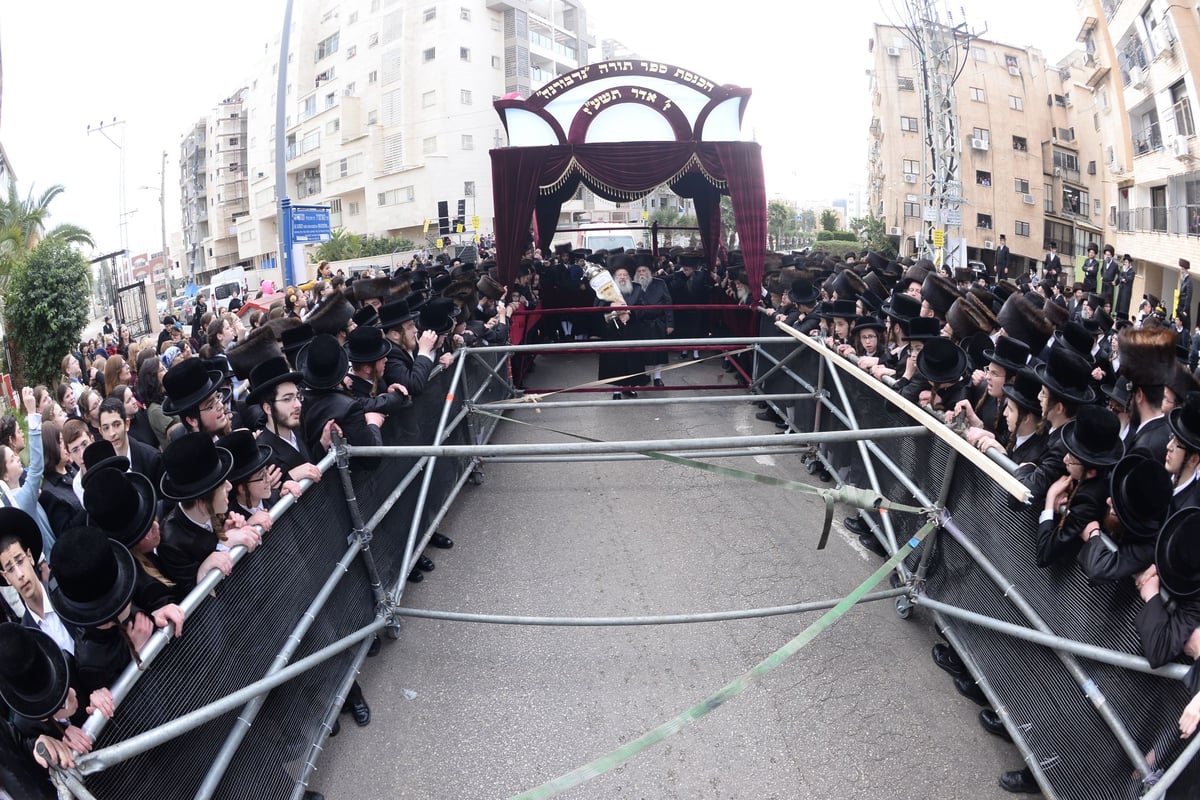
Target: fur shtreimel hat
332	316
1147	355
256	348
1026	322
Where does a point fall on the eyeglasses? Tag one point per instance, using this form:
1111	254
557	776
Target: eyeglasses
15	565
289	399
219	400
1072	461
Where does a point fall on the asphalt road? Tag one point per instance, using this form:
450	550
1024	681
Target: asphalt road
861	712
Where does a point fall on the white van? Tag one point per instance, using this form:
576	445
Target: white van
223	286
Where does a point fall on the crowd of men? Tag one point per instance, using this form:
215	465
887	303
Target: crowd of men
1100	413
137	474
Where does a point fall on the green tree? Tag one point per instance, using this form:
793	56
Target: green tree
872	230
46	308
342	245
728	224
829	220
781	224
23	224
808	220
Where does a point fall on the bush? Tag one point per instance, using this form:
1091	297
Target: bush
837	236
839	248
47	307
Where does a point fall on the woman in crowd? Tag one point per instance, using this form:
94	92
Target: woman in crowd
58	497
116	373
150	390
89	411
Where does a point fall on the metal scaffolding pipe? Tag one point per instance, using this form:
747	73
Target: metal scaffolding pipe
658	344
655	445
100	760
241	726
158	640
1091	652
668	619
662	399
741	453
1159	790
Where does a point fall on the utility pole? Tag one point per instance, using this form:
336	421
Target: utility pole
122	216
162	207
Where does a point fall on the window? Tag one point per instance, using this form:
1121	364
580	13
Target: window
353	18
309	107
351	51
468	142
372	117
1022	228
981	133
428	99
496	23
404	194
468	188
1022	185
350	88
1047	198
464	14
327	75
1020	144
464	96
904	84
977	94
1097	207
1010	61
1016	103
912	166
1060	100
331	100
912	210
373	40
344	167
430	54
233	141
908	123
1182	108
983	222
1075	201
326	47
495	62
333	126
429	145
464	54
979	54
983	177
352	208
1066	160
373	76
430	14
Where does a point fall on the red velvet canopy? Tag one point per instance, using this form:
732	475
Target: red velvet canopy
531	183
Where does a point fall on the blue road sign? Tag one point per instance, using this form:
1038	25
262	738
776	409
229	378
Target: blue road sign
310	224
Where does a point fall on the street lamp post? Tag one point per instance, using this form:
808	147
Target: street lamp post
162	207
123	225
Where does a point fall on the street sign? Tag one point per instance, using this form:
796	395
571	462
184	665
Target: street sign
310	224
425	229
475	222
939	238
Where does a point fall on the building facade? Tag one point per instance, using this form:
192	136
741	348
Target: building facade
1027	155
1138	59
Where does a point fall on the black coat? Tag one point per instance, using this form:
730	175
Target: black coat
60	502
349	413
1109	273
1103	561
1124	292
145	459
283	455
1031	450
183	548
1058	538
1091	268
1185	296
1151	440
1188	498
1164	632
1002	262
1049	468
20	775
410	372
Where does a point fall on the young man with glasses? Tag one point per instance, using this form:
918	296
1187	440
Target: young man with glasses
275	389
115	429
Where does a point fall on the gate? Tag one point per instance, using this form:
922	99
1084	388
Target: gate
133	310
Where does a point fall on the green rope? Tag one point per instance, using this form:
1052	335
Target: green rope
735	687
847	494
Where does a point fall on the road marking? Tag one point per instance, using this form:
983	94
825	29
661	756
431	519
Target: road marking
852	540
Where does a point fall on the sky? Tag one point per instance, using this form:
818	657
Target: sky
150	66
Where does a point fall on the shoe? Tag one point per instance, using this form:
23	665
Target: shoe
728	366
1019	781
630	394
441	542
416	576
781	424
762	404
945	657
373	650
309	794
824	477
856	525
989	720
616	395
360	711
424	564
767	415
336	729
869	541
968	688
659	382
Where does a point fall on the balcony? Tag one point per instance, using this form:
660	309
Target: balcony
1182	220
1147	139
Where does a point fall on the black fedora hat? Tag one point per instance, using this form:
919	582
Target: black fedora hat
95	576
1141	490
15	522
840	309
366	345
867	323
395	314
187	384
803	293
1120	391
1068	374
941	361
293	339
121	504
1024	390
1184	420
323	362
439	315
367	315
266	376
922	329
902	306
1075	335
1094	436
193	466
1010	353
1177	554
34	676
248	455
97	456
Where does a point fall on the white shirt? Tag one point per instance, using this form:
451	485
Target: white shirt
51	624
1021	440
208	526
1146	422
1186	483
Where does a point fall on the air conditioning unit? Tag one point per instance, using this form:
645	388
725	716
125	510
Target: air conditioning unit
895	231
1015	71
988	244
979	144
910	177
1028	199
1116	167
1058	172
1136	78
893	51
1179	147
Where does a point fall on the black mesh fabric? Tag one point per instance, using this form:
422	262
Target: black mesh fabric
234	637
1079	754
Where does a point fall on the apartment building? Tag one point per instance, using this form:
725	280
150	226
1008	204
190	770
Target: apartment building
1028	155
389	110
1139	59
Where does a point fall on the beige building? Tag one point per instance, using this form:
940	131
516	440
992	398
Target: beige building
1029	164
1138	60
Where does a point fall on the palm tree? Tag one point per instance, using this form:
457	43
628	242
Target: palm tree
23	222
